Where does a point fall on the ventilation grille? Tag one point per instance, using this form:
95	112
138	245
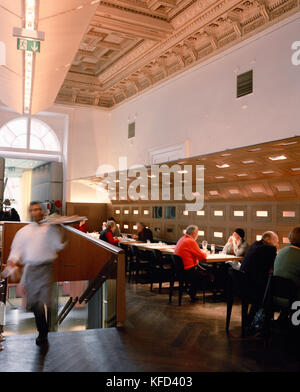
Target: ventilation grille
244	84
131	130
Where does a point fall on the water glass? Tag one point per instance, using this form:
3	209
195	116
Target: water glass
212	249
204	245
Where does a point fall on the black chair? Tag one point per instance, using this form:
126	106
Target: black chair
183	283
281	288
177	275
141	262
161	269
237	287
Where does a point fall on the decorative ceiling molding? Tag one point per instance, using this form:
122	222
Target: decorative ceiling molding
132	45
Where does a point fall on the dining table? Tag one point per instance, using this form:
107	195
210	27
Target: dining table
169	249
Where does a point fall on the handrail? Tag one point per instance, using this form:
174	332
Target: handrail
73	303
68	303
111	248
95	285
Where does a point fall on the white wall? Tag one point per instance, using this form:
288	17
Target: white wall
82	132
200	105
87	149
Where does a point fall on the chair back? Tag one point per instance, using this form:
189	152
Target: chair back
134	253
177	266
283	288
237	284
156	257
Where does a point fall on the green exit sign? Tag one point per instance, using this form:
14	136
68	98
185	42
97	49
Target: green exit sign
29	45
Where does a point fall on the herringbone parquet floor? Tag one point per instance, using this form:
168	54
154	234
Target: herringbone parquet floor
156	337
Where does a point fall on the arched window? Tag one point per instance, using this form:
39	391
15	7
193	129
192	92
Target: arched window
30	134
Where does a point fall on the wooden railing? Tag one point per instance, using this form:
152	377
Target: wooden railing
83	258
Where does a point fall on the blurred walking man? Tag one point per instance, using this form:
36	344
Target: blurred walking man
35	247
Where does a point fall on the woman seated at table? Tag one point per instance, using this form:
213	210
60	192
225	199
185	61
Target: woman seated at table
190	253
144	233
236	244
107	234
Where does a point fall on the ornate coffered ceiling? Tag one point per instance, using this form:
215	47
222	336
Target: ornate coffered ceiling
132	45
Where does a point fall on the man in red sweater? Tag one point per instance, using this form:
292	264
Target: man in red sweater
190	253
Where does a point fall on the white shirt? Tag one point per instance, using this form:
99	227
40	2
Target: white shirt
35	244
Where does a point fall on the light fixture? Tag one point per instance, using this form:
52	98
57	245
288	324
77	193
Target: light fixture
227	154
238	213
288	214
262	214
278	158
30	14
242	175
220	177
288	143
248	162
218	234
295	168
218	213
182	171
223	166
283	188
213	193
255	149
29	25
257	189
268	172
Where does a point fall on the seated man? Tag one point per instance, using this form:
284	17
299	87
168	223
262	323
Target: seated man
190	253
144	233
236	244
257	264
287	262
107	234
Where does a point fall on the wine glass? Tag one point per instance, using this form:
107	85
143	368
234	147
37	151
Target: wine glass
212	249
204	245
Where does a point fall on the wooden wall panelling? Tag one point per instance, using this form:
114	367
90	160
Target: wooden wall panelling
214	212
238	213
157	229
126	212
287	214
170	232
262	213
95	212
146	212
227	223
214	239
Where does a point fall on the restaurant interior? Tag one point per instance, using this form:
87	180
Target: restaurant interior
153	133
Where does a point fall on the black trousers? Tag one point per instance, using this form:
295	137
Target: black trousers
197	277
40	319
